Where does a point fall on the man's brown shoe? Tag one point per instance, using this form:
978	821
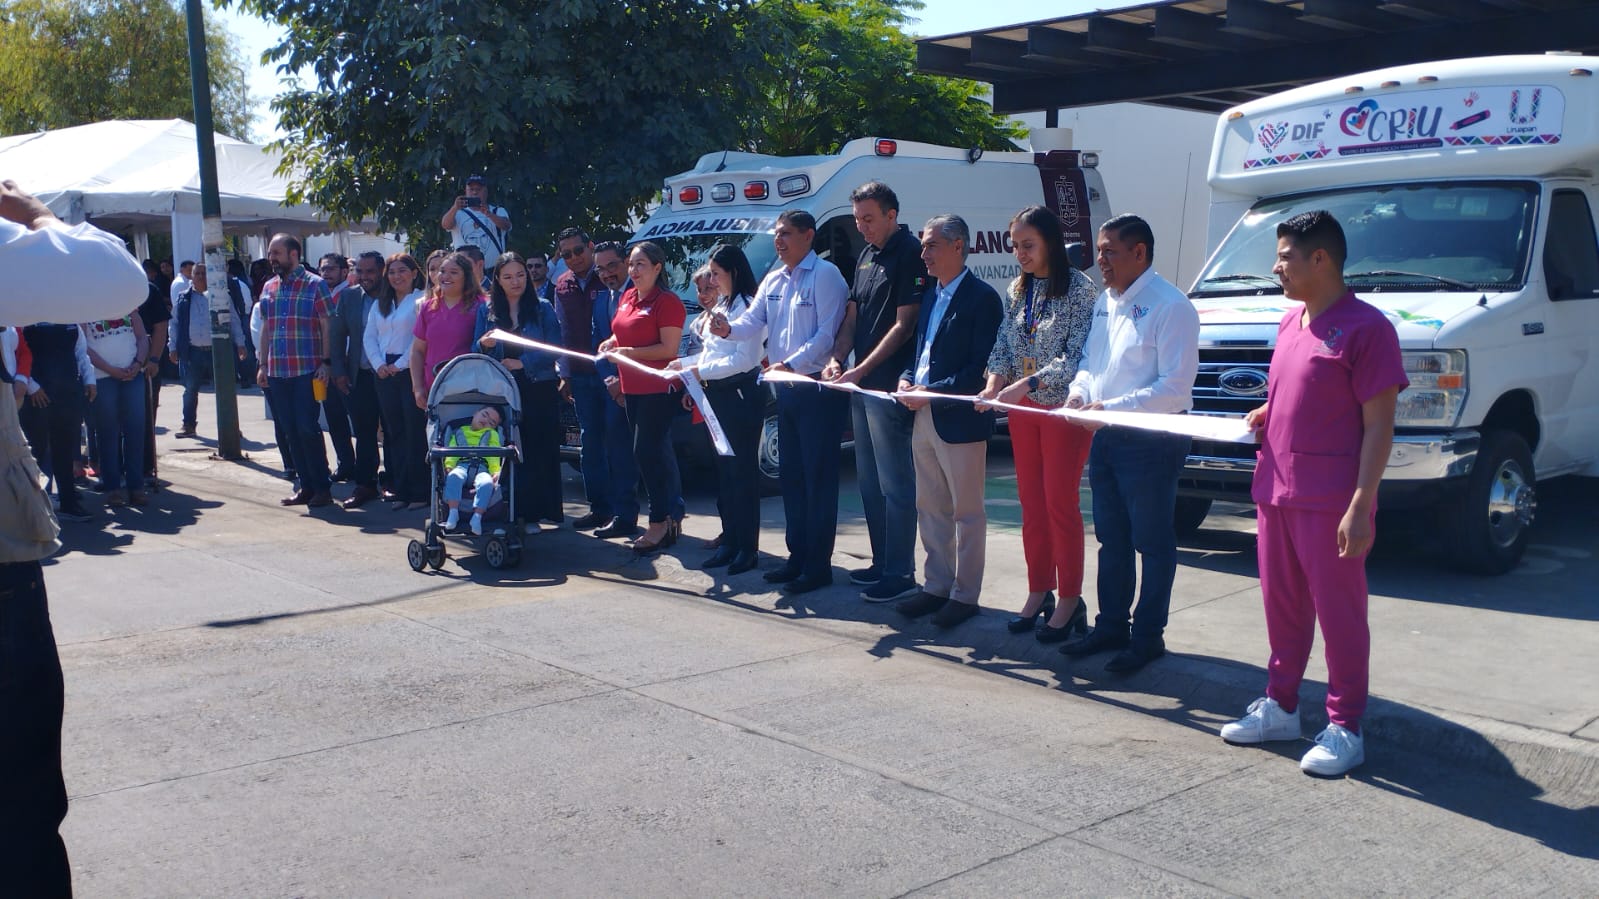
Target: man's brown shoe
298	499
360	497
318	500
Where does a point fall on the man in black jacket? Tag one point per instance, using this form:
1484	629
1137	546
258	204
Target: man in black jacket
353	378
955	332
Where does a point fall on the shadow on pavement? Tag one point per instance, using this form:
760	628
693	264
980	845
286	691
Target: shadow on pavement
1413	752
115	529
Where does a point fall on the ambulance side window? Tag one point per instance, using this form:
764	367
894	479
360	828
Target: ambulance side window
1571	250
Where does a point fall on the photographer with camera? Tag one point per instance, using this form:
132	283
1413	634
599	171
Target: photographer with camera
472	220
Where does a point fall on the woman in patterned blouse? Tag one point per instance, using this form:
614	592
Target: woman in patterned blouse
1039	347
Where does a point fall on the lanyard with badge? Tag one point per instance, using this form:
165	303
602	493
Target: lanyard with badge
1030	322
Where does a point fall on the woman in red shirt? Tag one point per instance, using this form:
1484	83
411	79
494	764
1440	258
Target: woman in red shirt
646	328
444	323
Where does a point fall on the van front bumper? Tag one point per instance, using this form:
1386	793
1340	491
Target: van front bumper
1414	461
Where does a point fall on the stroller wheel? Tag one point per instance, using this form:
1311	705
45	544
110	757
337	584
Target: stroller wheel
416	554
436	557
495	552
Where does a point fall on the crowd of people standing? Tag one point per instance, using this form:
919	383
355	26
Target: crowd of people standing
360	346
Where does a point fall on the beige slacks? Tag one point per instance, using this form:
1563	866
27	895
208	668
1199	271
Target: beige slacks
949	511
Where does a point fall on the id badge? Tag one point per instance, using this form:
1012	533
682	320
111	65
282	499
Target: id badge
1029	366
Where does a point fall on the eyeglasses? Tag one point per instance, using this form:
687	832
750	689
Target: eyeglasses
568	254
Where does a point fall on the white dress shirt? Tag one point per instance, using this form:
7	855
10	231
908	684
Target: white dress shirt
34	263
391	335
1143	349
723	357
800	308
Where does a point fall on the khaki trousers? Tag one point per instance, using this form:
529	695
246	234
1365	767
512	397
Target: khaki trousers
949	511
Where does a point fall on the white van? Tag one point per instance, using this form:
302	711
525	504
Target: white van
732	197
1467	190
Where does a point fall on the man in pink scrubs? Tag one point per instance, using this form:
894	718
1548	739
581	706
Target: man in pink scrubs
1326	429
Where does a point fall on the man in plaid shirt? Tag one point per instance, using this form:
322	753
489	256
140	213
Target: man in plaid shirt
295	311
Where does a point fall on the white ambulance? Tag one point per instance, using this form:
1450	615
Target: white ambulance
1467	190
732	197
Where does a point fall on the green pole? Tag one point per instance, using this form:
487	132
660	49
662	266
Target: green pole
216	271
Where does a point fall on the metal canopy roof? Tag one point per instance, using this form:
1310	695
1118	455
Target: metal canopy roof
1214	54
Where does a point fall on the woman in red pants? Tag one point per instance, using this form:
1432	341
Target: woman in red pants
1035	356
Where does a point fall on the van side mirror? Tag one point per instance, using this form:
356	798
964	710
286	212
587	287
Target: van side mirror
1077	252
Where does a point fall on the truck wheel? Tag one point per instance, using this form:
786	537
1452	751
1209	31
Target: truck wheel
1190	514
1487	526
770	483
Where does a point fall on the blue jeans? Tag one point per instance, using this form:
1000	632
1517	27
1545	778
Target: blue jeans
1133	475
293	400
483	488
119	432
610	476
810	425
887	478
197	368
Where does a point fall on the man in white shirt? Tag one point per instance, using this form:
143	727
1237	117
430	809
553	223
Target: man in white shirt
1142	356
180	284
800	305
472	220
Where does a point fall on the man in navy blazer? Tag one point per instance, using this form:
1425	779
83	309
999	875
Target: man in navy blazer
955	331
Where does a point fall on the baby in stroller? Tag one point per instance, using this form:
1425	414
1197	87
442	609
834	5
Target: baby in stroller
480	472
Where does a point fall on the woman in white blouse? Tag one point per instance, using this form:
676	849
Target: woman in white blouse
387	344
729	369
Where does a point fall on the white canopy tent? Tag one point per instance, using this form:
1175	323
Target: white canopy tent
144	176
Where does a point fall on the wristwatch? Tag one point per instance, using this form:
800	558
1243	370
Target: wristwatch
1032	383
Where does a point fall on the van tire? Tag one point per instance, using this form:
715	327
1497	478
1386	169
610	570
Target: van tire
1486	527
1190	514
771	485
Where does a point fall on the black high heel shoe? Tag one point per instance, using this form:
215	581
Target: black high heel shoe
1021	625
1076	625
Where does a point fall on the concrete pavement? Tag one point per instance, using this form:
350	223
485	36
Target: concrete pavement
264	702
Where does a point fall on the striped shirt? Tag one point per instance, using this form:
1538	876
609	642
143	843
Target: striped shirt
292	312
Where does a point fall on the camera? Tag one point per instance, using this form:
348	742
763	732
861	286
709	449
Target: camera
474	202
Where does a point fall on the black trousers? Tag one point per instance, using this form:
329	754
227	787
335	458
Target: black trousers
810	426
539	482
336	409
649	416
739	403
405	437
33	793
54	432
152	402
362	403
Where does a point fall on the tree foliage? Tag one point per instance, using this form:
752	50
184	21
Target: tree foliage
835	70
73	62
574	109
578	109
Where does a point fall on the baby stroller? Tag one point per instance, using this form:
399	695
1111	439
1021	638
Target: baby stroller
464	385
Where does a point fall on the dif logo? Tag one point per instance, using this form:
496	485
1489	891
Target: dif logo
1273	133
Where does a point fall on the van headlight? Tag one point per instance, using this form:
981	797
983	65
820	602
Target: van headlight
1437	390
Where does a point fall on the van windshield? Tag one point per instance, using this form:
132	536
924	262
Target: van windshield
1437	236
685	255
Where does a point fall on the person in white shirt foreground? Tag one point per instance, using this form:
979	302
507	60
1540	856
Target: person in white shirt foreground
70	275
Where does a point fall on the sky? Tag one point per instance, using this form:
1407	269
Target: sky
938	17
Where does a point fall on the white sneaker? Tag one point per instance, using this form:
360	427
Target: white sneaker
1336	751
476	524
1266	722
453	520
